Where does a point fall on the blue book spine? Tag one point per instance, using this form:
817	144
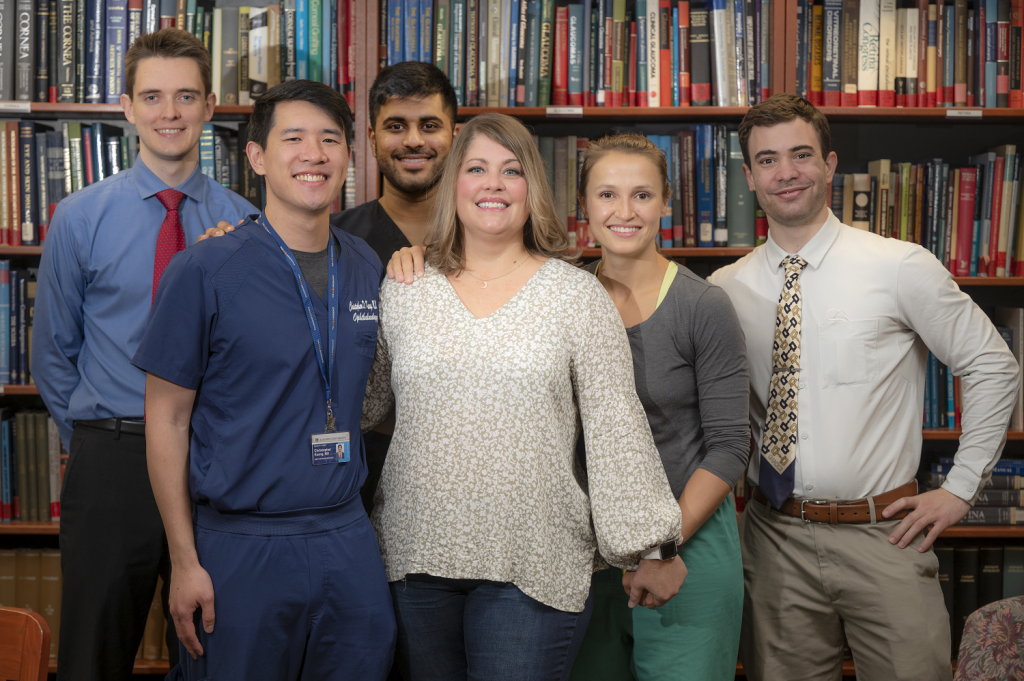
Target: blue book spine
411	30
302	39
117	38
327	44
641	59
663	142
948	54
991	45
513	59
974	248
5	472
831	76
22	332
675	60
950	400
94	61
207	162
426	30
5	321
803	16
1003	467
575	53
394	31
705	187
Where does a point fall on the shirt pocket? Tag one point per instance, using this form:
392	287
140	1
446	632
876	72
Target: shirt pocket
849	355
366	343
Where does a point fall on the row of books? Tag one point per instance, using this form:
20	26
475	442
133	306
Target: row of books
943	393
32	462
17	310
711	203
73	51
652	53
31	579
971	577
907	53
969	217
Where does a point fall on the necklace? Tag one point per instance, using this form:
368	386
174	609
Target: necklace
483	284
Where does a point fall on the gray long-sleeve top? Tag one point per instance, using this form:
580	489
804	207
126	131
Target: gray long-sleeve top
691	376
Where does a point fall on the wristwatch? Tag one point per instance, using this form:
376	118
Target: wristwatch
665	551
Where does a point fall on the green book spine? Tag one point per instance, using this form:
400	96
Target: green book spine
532	50
190	16
66	65
206	160
27	441
25	504
547	22
946	556
75	152
42	455
229	55
441	36
316	41
740	200
1013	571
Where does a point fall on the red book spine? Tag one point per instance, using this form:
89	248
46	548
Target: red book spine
957	404
684	53
343	44
965	221
14	183
351	55
1016	38
665	58
560	75
87	157
847	99
167	22
922	55
631	76
997	203
1003	58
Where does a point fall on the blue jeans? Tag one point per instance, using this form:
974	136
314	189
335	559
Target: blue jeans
474	629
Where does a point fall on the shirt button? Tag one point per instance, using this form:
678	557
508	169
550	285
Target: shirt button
802	385
803	436
809	487
970	489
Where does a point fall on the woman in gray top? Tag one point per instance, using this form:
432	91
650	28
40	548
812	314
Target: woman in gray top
691	377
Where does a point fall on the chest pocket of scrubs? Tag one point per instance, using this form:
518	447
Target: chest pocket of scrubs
366	344
849	355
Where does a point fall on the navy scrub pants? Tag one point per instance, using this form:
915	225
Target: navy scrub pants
298	596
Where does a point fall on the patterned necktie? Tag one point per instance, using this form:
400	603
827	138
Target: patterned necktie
778	448
171	238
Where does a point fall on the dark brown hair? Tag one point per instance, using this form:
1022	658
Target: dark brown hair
411	80
325	98
782	108
626	143
169	43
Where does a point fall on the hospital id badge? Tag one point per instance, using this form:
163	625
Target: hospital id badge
331	448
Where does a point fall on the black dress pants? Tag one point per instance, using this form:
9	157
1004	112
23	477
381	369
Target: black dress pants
113	548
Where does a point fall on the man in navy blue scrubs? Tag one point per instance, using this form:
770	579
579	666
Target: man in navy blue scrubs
253	344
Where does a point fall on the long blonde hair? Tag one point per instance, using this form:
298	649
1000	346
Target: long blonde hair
543	234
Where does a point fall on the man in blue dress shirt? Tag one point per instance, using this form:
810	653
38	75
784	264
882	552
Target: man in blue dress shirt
257	355
104	252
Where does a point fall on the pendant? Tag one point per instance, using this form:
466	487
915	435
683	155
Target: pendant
483	284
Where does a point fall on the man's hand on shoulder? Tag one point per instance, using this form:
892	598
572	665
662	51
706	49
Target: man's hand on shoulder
655	582
191	589
939	508
221	229
406	264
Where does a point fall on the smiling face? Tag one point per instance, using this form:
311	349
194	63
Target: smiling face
491	191
306	158
624	202
168	109
789	174
411	138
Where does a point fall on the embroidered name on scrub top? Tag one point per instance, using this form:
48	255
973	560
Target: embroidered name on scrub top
329	446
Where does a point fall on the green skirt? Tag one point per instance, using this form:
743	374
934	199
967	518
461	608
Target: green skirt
696	635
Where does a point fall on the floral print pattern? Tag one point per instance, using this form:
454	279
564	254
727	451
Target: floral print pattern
993	644
482	480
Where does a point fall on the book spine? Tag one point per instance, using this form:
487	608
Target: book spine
947	58
94	61
887	53
426	31
688	186
1016	96
721	140
574	54
257	58
815	89
867	76
932	60
40	181
705	185
314	40
849	59
721	21
740	199
472	58
1003	54
25	48
243	56
5	361
116	34
27	173
665	51
831	75
960	53
560	76
547	15
302	19
685	64
674	57
41	53
700	57
494	70
912	27
991	50
618	55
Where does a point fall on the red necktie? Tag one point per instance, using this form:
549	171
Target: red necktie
171	239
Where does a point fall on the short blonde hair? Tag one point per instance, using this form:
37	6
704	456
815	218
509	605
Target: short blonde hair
543	234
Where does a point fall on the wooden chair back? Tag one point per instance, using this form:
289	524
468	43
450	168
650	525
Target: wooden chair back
24	645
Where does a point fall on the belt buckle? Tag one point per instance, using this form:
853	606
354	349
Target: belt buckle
816	502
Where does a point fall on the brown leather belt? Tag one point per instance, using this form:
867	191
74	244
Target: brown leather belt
833	511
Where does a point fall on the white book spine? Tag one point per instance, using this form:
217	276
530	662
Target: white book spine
867	53
901	56
654	55
887	53
912	26
218	28
506	43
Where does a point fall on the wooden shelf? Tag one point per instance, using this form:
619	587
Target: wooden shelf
989	281
18	390
154	667
954	434
21	250
984	531
24	527
639	114
99	109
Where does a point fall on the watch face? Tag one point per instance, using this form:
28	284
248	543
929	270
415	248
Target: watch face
669	550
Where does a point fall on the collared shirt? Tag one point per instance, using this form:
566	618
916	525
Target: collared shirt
371	223
872	307
96	286
228	321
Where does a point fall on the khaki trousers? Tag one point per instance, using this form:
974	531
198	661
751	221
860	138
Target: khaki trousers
808	584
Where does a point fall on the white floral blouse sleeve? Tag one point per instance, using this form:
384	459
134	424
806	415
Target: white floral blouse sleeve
632	503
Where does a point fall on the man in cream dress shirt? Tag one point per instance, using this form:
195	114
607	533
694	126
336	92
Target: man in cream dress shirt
869	310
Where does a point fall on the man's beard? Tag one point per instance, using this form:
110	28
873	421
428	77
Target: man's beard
419	184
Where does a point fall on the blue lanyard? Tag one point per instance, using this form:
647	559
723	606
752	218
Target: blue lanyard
326	368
